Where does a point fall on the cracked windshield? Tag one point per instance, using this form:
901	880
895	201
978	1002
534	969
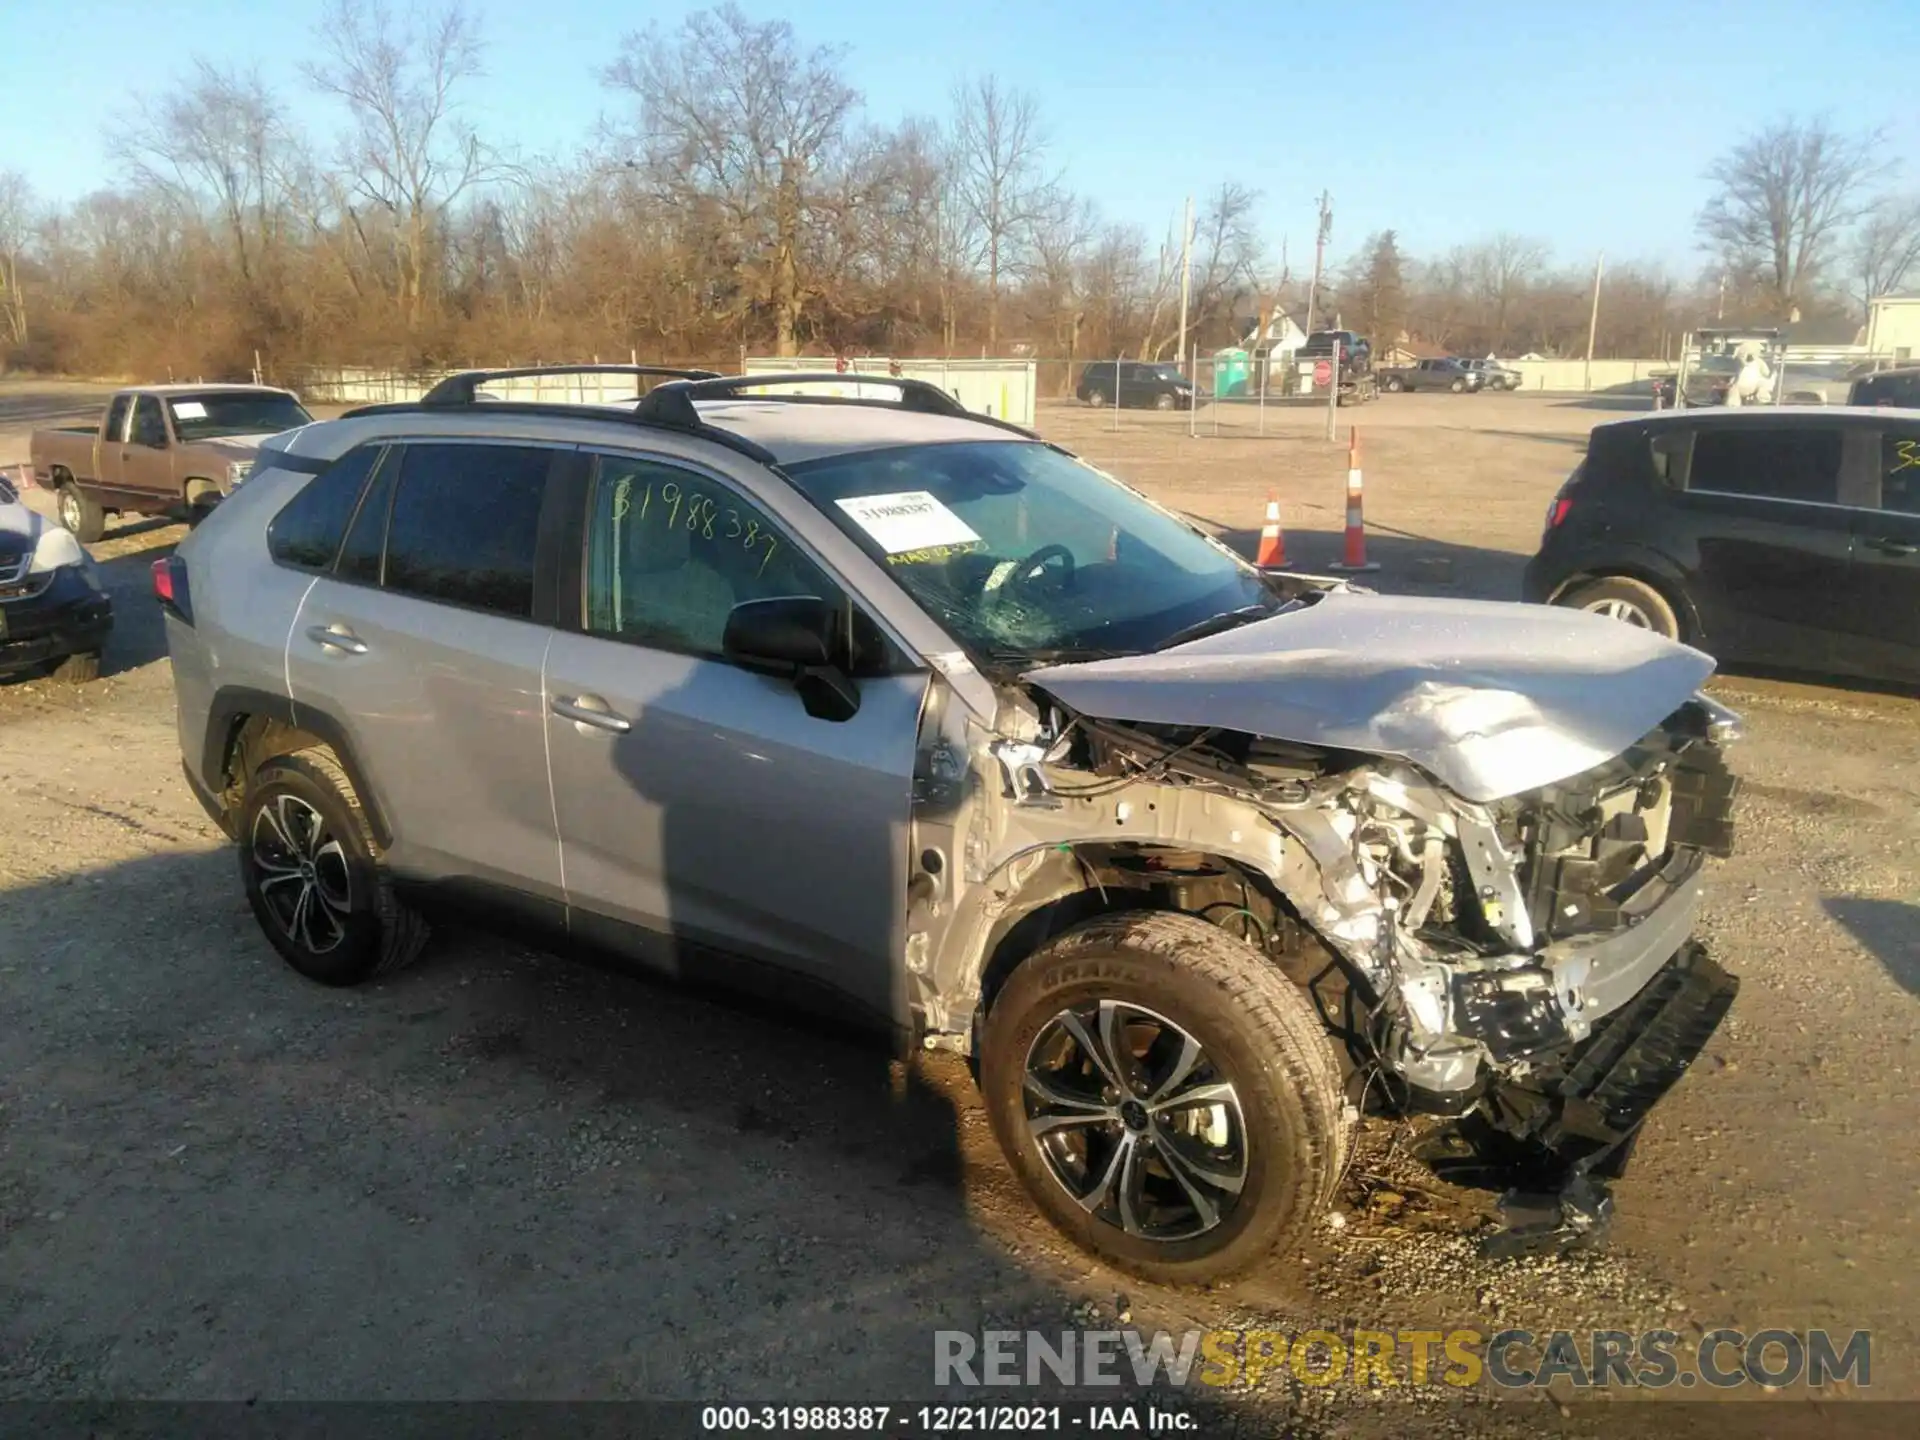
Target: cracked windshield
1026	554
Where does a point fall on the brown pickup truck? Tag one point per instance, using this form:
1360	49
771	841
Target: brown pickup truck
159	449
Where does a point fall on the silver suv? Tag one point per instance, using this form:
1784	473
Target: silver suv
903	710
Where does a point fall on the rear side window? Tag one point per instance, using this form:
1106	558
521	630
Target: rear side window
308	529
367	537
1900	471
465	525
1767	462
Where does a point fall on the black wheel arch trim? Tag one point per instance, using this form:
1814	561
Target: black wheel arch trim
234	705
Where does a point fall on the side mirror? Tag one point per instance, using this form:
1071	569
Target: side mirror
794	634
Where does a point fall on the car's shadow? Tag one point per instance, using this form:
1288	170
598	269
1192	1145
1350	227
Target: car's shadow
1888	928
494	1175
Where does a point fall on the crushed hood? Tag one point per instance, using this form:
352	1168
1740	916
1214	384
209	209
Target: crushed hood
1489	698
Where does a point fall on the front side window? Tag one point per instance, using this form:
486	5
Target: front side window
464	525
1768	462
670	552
1900	471
1024	553
308	529
220	414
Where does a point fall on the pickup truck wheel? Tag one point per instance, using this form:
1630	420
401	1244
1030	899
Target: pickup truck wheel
1167	1097
314	877
80	513
1633	602
1395	384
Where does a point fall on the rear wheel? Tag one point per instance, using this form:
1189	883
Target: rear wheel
1632	602
80	513
1457	386
1395	384
314	877
1096	398
1167	1097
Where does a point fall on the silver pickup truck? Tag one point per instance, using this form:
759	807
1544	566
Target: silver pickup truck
159	449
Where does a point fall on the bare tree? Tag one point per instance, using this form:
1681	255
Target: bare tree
1886	249
998	146
738	120
1783	196
1498	272
17	218
409	153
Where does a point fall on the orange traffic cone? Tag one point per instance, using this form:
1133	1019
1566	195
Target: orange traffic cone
1273	543
1356	547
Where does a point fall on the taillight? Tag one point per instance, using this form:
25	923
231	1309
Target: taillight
1561	506
170	587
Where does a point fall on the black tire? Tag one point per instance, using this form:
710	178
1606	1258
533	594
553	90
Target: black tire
1395	384
78	668
1164	402
356	928
1633	602
1457	386
1258	1033
1096	397
80	513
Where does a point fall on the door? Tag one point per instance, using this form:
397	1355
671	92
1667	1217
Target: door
107	449
1886	559
147	458
699	804
1773	540
424	639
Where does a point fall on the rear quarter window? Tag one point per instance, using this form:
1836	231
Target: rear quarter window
1900	471
308	530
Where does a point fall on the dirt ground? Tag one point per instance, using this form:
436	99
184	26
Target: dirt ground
506	1174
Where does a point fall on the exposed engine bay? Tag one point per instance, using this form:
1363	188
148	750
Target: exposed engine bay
1524	963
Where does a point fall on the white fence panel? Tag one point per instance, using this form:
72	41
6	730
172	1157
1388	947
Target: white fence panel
1005	389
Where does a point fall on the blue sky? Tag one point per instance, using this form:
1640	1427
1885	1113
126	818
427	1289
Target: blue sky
1585	125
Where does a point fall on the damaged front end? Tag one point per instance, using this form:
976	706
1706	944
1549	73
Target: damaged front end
1523	964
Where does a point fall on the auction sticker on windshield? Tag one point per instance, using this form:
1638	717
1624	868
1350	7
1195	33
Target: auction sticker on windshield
908	522
189	410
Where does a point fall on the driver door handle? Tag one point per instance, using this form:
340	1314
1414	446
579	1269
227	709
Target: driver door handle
590	710
337	638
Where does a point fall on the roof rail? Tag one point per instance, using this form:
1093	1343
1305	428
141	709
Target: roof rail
463	389
672	403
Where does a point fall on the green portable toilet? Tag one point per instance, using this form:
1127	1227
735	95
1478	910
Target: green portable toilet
1229	373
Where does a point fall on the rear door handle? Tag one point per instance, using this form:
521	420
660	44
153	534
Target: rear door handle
1891	547
590	710
335	638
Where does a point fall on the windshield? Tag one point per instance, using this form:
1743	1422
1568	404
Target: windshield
213	416
1026	554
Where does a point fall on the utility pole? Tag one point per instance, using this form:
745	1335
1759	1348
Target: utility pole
1186	277
1319	253
1593	319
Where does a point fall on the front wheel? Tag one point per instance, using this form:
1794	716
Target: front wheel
1457	386
1632	602
1164	402
1168	1099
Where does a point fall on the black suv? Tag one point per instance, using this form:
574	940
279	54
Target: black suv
1899	388
1147	383
1788	537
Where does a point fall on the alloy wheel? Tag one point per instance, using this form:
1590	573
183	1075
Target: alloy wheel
1624	611
303	874
70	509
1135	1120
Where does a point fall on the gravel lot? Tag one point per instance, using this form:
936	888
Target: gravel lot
505	1174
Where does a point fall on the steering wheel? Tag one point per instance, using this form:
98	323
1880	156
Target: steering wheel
1035	565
